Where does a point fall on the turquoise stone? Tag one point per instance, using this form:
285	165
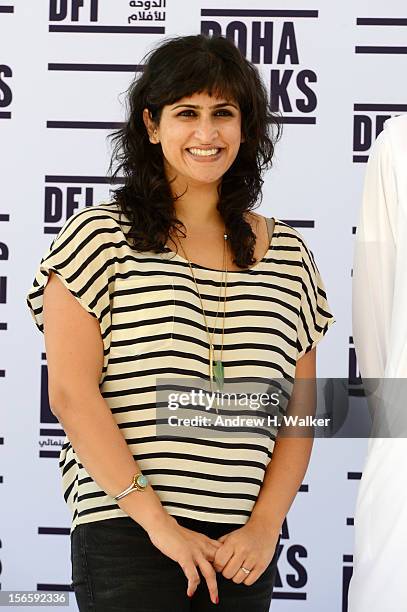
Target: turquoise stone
142	480
219	374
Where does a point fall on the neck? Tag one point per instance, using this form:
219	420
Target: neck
196	208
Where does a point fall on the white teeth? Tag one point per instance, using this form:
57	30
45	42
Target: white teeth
204	152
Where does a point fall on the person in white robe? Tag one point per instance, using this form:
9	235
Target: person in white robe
379	309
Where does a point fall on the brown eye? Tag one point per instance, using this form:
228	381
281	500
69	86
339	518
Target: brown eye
182	114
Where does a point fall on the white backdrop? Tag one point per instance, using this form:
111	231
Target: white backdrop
63	65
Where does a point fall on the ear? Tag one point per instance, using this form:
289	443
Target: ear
150	127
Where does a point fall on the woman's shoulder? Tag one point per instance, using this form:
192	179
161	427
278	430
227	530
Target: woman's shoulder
102	219
283	231
96	212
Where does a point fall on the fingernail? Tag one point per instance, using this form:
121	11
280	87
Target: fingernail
217	599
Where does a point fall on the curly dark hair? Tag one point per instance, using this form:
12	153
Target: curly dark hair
178	67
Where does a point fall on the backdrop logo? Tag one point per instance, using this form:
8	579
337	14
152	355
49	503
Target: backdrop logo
275	43
6	94
119	17
63	200
347	571
64	195
7	9
51	436
375	27
368	121
354	374
145	12
4	256
73	10
292	576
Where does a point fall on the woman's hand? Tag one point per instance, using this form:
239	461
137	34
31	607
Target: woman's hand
191	550
252	546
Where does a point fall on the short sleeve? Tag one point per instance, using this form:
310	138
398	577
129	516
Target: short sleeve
315	316
82	255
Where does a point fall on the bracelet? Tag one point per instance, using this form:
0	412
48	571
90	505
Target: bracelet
139	483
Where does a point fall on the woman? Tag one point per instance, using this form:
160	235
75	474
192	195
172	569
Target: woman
244	301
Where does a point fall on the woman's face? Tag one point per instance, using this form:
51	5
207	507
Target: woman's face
203	127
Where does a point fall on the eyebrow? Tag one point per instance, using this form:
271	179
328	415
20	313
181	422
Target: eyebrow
221	104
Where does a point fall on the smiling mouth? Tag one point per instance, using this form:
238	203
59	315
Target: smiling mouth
205	153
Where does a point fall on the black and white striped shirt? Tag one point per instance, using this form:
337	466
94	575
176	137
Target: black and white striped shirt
152	326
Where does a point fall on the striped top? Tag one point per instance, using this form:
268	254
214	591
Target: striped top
152	326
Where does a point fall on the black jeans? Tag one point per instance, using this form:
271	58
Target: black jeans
116	568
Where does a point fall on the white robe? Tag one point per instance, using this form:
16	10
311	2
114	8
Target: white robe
379	304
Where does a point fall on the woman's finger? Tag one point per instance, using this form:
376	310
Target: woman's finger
215	543
209	553
241	576
209	550
232	567
253	576
223	556
191	573
209	574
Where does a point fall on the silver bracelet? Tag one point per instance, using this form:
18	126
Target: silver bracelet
139	483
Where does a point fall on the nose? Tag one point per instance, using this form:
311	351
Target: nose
206	129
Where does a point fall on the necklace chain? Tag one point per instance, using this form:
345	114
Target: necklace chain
219	364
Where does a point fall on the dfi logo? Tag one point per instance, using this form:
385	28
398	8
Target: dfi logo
63	201
46	416
368	122
51	434
72	10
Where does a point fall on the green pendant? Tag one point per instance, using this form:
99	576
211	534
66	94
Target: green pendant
219	374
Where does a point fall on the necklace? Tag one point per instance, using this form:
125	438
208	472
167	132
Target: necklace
216	368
